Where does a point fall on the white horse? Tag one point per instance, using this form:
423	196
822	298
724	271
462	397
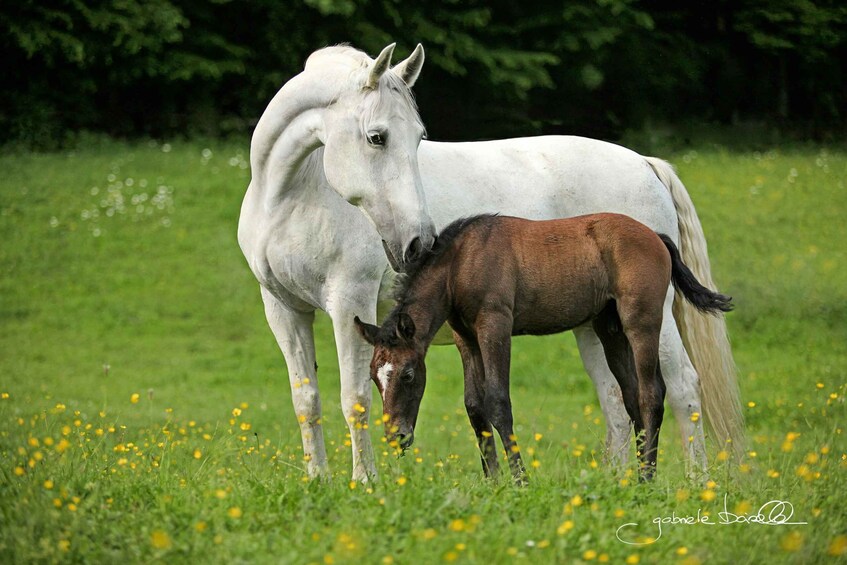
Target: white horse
345	134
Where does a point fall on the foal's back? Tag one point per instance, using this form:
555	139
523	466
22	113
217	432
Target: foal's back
554	275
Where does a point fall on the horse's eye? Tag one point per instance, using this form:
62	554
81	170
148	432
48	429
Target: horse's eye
376	138
408	375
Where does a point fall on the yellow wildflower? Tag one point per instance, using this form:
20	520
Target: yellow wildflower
566	526
838	546
160	540
791	542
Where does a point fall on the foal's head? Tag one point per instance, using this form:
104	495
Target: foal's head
398	369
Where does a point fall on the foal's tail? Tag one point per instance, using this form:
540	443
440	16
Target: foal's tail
705	300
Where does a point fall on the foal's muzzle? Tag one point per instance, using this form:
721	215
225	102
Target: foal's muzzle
406	440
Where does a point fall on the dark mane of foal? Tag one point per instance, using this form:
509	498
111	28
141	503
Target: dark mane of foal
404	282
442	243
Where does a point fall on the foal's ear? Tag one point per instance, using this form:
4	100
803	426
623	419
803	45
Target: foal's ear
367	331
405	326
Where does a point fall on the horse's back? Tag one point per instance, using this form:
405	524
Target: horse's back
542	178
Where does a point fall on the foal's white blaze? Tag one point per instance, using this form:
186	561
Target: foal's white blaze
383	374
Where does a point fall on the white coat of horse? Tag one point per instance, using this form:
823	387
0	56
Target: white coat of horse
342	183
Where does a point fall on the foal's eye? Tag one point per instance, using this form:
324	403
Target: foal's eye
376	138
408	375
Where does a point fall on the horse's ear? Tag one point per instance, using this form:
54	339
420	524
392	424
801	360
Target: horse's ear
367	331
378	68
405	326
409	69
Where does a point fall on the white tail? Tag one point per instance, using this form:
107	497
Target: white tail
705	337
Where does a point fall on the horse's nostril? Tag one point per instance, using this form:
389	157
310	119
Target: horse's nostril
414	250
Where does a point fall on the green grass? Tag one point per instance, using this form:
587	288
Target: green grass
157	302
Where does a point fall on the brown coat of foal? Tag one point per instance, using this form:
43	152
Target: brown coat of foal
491	277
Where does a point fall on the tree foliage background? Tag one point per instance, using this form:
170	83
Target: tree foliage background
494	68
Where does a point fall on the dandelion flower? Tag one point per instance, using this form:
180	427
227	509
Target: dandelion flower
838	546
632	559
234	513
457	525
134	400
791	542
566	526
589	555
160	540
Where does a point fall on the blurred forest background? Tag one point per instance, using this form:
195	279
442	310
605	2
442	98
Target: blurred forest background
497	68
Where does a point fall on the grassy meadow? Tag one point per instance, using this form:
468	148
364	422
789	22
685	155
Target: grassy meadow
145	412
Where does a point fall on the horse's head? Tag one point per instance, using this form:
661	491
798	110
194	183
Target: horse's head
371	133
399	371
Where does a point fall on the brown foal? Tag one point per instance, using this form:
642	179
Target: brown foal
491	277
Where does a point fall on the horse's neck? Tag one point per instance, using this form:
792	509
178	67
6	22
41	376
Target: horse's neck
284	140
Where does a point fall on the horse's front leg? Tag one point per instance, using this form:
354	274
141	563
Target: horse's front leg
475	403
494	333
618	421
354	356
293	332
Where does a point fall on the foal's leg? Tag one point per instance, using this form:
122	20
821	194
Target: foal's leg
475	403
619	356
618	422
494	333
293	332
641	320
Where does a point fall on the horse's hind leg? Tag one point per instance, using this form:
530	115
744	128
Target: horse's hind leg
683	391
475	403
293	332
618	422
